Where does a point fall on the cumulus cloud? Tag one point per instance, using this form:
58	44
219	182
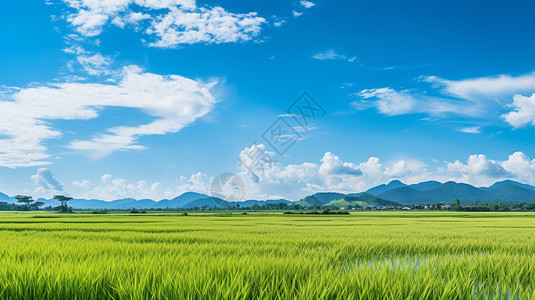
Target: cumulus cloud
46	180
332	174
86	184
478	165
274	179
170	22
332	165
112	188
45	183
329	173
173	101
523	111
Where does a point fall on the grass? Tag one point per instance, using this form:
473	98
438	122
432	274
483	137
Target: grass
365	255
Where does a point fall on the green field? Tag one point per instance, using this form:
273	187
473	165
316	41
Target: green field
365	255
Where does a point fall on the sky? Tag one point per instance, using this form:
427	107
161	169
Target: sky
109	99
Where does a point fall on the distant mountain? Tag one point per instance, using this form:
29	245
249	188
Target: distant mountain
327	197
179	202
507	192
377	201
313	200
186	200
511	192
208	201
394	193
385	187
5	198
522	185
405	195
426	185
362	200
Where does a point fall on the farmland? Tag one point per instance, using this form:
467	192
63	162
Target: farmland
364	255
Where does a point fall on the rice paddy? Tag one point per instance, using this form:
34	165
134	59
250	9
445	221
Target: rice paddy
364	255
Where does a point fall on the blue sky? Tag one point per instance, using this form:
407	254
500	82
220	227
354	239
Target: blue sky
151	98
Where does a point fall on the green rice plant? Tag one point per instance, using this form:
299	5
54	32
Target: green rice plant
364	255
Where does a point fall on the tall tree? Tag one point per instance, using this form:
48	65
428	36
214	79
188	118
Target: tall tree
63	200
25	200
37	204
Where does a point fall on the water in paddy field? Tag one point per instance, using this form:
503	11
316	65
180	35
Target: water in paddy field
479	290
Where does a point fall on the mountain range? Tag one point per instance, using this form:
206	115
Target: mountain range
430	192
392	194
186	200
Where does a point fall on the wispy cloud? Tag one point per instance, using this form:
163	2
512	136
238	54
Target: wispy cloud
474	97
473	129
332	55
173	101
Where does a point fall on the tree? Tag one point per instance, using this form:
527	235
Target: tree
63	199
457	204
25	200
38	204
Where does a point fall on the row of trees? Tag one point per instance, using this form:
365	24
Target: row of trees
28	203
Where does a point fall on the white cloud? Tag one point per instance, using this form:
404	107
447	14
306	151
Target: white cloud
111	188
45	183
173	101
307	4
332	165
274	180
478	165
333	174
485	88
524	111
96	64
46	180
86	184
171	22
476	97
391	102
521	166
329	55
105	178
296	13
279	23
330	173
119	188
214	25
473	129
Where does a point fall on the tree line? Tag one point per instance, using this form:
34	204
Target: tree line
27	203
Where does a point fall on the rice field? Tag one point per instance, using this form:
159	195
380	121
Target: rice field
364	255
